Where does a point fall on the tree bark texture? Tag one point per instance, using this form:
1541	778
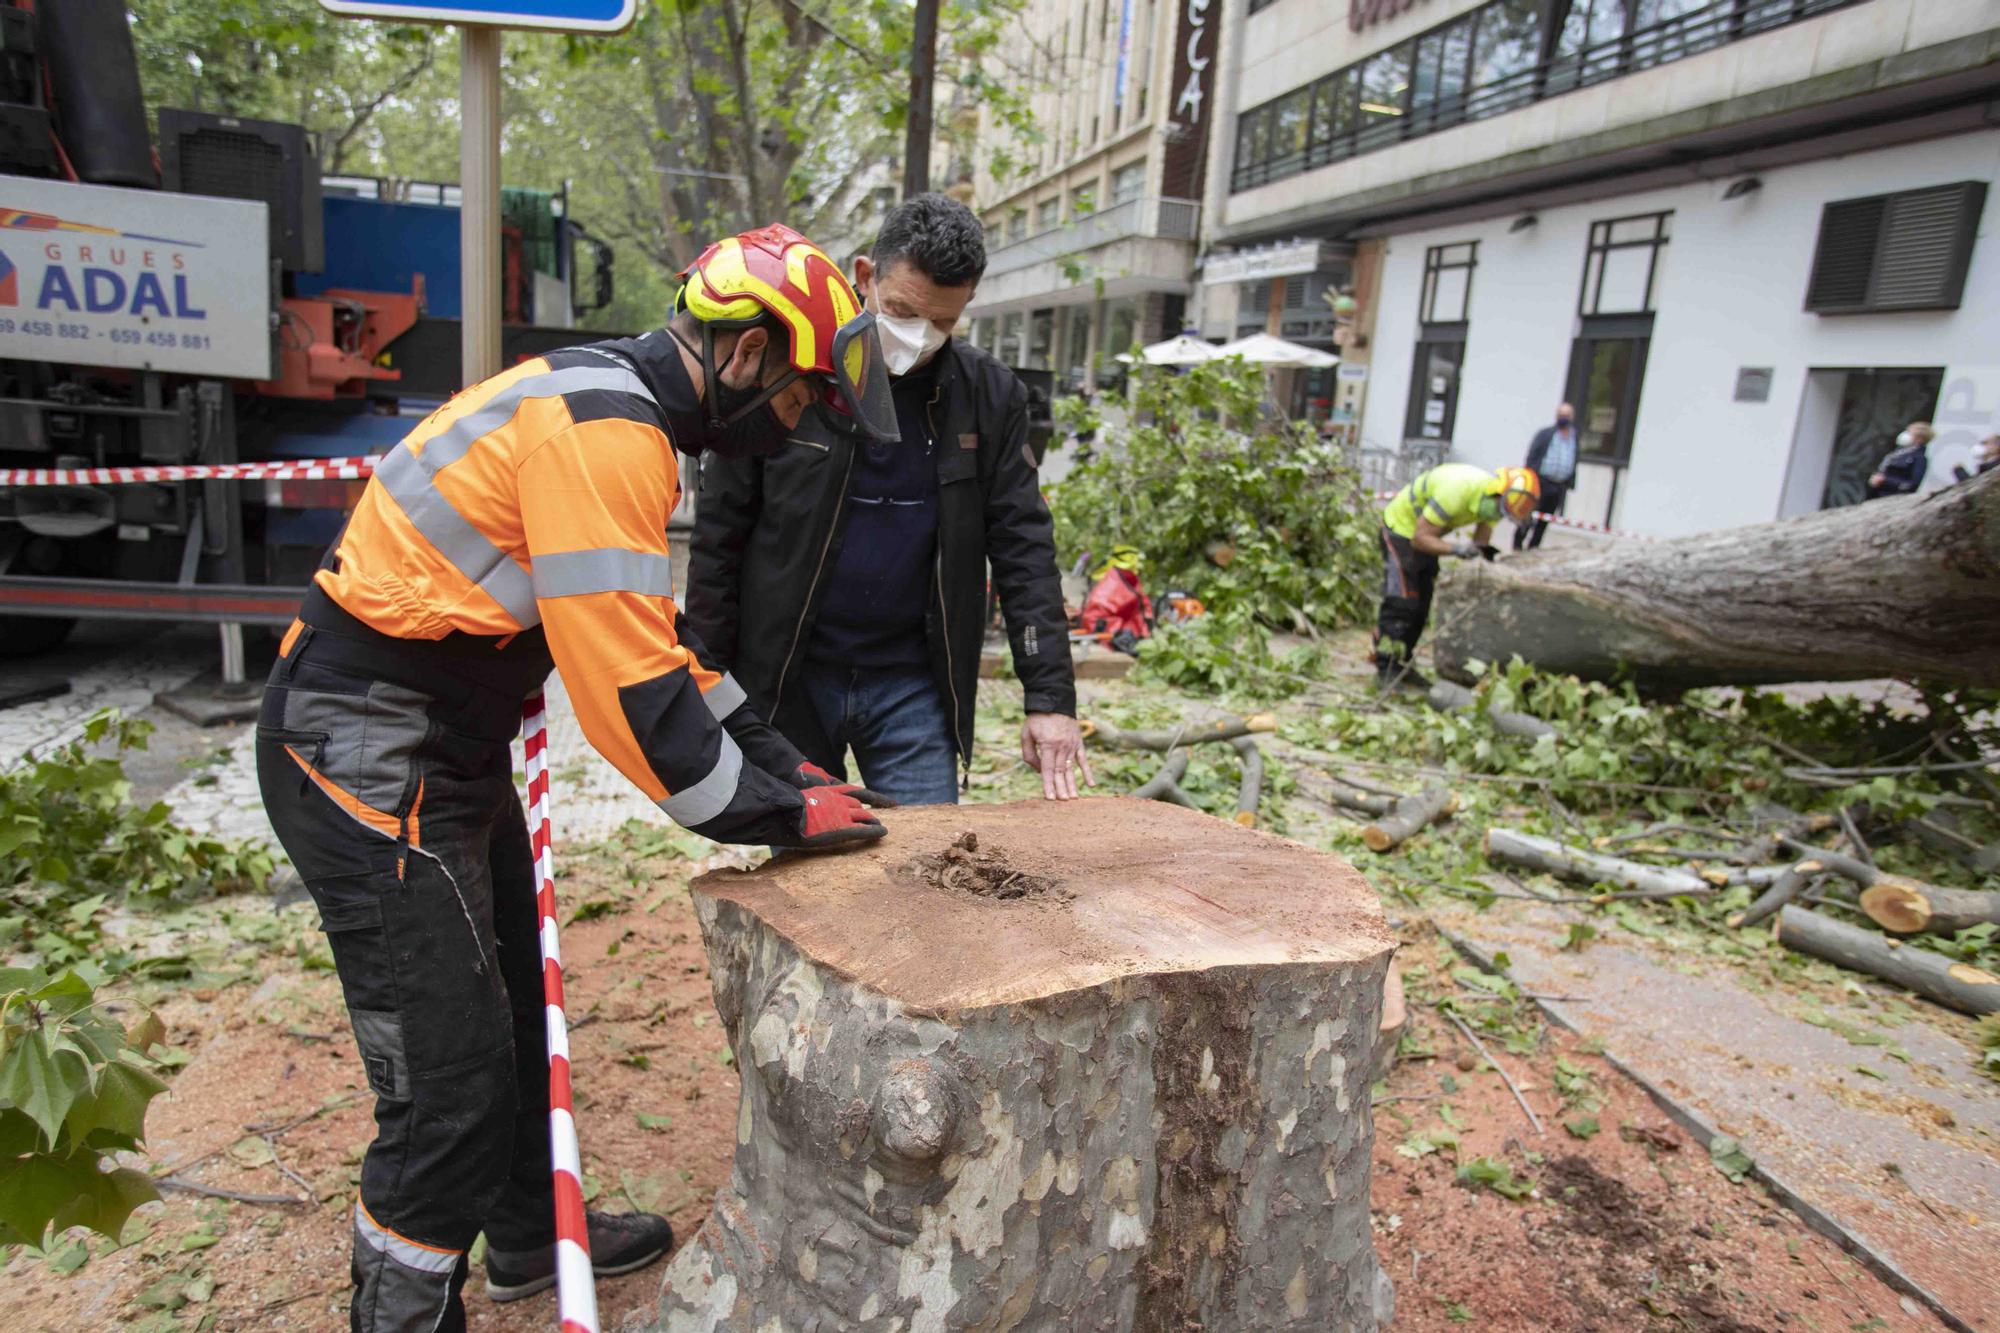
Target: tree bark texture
1411	816
1532	852
1908	586
1955	985
1133	1097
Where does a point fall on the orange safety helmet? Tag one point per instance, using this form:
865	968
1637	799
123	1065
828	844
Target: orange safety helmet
1519	490
775	273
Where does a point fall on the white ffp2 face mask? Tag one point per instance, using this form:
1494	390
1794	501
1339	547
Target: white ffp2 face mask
907	341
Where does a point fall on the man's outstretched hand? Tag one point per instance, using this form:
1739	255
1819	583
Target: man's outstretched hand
810	776
833	819
1051	743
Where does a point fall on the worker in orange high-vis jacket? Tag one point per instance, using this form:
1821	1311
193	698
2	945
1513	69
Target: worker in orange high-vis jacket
524	525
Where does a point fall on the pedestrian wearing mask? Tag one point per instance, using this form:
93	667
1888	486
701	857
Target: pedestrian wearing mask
1902	472
522	527
1985	457
844	581
1552	458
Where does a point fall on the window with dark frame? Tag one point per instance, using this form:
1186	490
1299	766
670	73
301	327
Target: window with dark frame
1444	307
1484	63
1622	266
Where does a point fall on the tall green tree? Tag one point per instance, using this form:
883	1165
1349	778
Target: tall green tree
705	117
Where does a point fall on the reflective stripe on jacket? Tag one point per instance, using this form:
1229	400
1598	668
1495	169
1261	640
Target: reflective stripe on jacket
539	498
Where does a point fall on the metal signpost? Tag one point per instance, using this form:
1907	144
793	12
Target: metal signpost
480	23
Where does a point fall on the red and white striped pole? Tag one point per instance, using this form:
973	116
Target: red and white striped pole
576	1289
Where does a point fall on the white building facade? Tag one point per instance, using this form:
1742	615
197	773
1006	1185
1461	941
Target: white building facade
1749	239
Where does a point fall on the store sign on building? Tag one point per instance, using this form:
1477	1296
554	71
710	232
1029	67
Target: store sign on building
1283	260
1365	13
1187	142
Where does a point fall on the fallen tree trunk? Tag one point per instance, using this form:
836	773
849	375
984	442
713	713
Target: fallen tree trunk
1909	907
1531	852
1908	586
1955	985
1106	1068
1446	697
1411	815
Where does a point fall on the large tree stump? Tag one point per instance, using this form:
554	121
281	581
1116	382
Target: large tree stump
1105	1067
1908	586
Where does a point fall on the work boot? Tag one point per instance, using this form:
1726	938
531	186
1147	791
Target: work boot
619	1243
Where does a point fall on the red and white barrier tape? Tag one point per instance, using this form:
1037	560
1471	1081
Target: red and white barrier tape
303	469
576	1289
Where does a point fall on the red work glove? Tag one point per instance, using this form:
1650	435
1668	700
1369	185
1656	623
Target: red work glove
833	819
809	776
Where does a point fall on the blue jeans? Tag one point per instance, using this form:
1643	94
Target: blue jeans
895	721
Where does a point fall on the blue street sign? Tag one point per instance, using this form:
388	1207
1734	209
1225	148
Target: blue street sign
557	15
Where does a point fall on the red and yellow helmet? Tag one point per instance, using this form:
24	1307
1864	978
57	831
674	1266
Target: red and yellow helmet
775	273
1519	489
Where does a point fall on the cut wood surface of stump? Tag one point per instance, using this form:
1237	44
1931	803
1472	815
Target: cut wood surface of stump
1101	1064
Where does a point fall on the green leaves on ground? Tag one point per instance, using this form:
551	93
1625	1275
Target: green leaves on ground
1487	1173
1264	522
74	1087
1730	1158
1583	1127
72	846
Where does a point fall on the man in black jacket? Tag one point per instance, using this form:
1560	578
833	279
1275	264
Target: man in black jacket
1552	458
843	582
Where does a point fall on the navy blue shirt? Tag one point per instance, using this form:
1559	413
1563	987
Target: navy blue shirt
872	608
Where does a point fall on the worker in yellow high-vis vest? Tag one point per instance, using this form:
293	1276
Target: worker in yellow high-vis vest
1426	520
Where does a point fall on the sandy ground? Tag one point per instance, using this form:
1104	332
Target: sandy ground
1631	1228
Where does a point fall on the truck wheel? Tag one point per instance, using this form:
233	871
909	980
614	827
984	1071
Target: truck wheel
27	636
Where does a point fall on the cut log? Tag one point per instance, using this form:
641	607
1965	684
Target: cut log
1447	697
1188	733
1784	888
1909	907
1395	1021
1908	586
1169	776
1411	815
1531	852
1955	985
1344	794
1904	906
1132	1097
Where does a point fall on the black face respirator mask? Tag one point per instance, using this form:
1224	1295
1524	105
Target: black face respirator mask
741	422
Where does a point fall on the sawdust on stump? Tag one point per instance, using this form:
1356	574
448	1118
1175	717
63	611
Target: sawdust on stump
963	868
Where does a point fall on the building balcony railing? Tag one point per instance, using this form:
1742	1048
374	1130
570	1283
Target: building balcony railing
1150	216
1481	64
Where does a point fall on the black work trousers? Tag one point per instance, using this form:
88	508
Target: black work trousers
388	777
1528	535
1409	578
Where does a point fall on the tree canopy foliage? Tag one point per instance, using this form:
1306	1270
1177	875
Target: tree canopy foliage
706	117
